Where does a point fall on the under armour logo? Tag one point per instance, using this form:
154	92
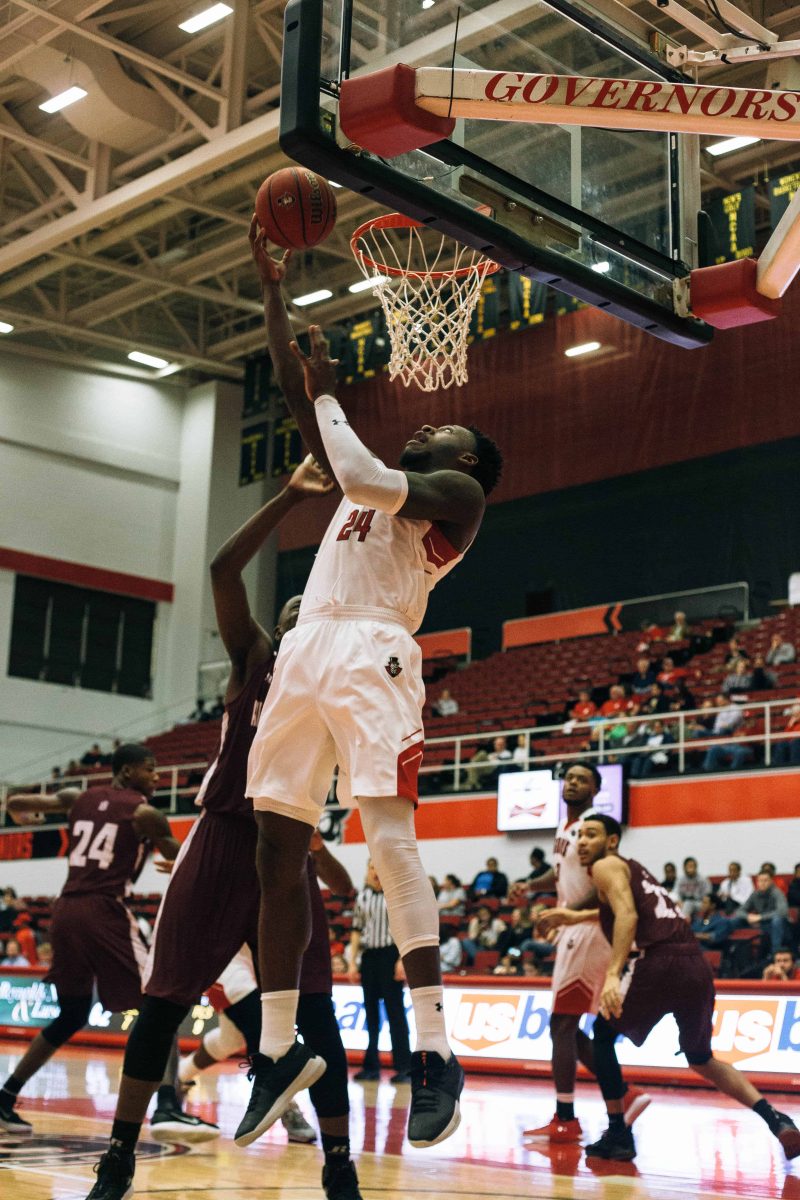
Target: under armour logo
336	421
439	1006
392	667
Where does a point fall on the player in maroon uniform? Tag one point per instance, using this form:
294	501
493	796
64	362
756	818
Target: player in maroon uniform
94	935
213	888
657	967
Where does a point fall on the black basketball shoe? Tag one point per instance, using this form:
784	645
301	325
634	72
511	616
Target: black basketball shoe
12	1122
436	1085
172	1124
274	1084
615	1143
114	1175
787	1134
340	1182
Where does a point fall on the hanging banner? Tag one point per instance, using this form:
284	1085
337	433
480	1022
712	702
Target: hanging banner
526	301
781	191
253	453
729	232
486	314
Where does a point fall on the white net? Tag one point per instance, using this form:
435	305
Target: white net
428	285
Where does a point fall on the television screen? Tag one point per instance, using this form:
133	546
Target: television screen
532	799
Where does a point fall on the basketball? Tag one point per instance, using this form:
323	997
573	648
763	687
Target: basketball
296	208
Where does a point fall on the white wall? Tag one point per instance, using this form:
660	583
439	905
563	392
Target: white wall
127	476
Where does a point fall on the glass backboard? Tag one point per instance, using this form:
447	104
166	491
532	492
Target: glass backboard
606	216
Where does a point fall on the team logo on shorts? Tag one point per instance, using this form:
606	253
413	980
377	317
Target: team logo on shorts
392	667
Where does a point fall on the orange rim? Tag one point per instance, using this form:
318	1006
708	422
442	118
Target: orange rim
400	221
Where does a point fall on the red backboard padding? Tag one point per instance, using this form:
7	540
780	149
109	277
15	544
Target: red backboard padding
725	295
379	113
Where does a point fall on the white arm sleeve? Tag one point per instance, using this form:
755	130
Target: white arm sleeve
363	479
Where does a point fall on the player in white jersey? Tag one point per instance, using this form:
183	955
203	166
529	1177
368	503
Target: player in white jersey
348	689
582	960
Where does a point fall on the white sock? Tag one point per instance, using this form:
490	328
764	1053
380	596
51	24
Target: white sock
278	1014
428	1005
188	1069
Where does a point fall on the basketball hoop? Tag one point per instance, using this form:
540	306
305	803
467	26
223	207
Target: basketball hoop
428	285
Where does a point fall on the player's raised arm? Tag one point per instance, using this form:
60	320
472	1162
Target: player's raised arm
245	641
31	809
280	335
152	826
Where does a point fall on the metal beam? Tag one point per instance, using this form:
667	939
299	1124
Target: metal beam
33	143
216	155
123	49
234	67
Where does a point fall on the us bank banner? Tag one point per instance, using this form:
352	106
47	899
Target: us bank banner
754	1032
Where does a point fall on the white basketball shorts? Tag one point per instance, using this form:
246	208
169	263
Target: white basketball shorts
346	691
582	958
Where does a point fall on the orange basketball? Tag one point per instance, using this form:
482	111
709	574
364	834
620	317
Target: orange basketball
296	208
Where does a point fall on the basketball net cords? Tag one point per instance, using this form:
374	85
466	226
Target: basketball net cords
427	318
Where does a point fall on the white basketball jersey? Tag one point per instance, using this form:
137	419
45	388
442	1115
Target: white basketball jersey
572	880
369	560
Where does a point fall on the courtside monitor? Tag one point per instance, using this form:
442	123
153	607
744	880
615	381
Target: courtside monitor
531	800
608	216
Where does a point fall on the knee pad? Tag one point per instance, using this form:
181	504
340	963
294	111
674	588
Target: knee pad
150	1041
316	1022
413	915
73	1016
225	1040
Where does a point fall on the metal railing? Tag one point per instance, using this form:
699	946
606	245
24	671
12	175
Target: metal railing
452	776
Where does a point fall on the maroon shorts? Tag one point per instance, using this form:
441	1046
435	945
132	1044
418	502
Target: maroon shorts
210	910
95	939
672	979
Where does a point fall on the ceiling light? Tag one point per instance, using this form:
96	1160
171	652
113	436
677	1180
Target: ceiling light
602	268
584	348
363	284
147	360
5	327
730	144
313	297
428	3
63	99
204	19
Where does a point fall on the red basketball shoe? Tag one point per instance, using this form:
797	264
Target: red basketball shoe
634	1102
556	1130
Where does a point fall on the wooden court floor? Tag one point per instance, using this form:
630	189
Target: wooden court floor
691	1144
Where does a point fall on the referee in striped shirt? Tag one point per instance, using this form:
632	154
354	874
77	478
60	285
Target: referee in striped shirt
381	979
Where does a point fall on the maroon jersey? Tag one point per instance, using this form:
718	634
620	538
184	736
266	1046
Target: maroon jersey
223	788
659	919
105	851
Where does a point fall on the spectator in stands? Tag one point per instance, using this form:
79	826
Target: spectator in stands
338	964
44	956
482	932
451	953
701	725
787	749
782	967
670	881
446	705
55	775
793	894
73	768
521	933
539	864
479	768
682	698
522	753
14	956
726	722
8	910
644	677
656	757
692	886
735	754
489	882
93	757
680	630
780	652
670	675
501	758
200	713
656	701
617	702
217	709
735	889
765	910
709	926
452	898
762	680
739	679
510	964
735	651
585	708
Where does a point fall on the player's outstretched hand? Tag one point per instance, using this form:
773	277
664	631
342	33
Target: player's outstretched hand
550	919
318	366
272	270
309	479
